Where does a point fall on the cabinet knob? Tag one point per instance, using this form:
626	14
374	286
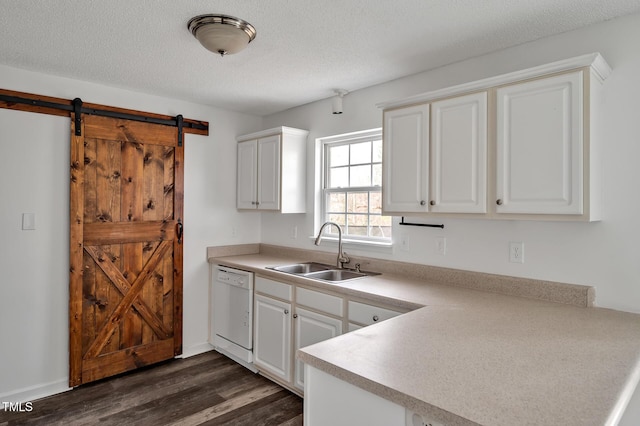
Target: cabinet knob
257	203
286	311
423	202
375	318
499	202
253	203
433	203
295	315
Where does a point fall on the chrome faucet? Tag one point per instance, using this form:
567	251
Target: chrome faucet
342	256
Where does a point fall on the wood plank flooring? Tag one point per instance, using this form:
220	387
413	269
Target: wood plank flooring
208	389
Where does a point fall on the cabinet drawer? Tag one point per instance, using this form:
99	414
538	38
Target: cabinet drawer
274	288
369	314
319	301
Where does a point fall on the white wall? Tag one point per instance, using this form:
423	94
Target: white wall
603	254
34	178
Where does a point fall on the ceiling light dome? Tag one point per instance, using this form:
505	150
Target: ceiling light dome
222	34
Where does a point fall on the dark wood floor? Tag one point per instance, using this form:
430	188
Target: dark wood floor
207	389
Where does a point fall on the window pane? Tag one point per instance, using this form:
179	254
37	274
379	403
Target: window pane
377	175
354	165
339	178
361	175
380	226
337	202
376	220
357	224
377	152
375	201
361	153
358	202
339	155
381	231
337	218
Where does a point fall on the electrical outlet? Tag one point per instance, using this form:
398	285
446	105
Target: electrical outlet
516	252
234	231
441	245
294	232
404	242
28	221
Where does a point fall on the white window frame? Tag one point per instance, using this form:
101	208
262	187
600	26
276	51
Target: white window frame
347	139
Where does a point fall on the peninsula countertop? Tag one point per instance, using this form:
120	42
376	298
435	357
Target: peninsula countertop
476	357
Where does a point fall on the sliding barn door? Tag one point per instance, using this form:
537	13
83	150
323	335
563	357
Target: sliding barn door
126	247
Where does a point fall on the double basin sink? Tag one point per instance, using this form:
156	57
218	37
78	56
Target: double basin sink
320	271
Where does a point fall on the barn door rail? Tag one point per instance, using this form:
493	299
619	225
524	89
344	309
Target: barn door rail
55	106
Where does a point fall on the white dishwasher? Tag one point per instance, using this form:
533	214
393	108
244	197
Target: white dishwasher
232	304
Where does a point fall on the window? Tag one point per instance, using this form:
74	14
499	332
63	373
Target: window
352	186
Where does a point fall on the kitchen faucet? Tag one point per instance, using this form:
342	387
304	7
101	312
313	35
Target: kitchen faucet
342	256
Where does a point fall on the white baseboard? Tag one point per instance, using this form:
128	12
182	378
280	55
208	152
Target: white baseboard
196	350
43	390
32	393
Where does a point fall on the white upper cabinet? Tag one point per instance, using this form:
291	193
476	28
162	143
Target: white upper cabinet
269	173
247	175
459	155
539	146
405	161
518	146
272	170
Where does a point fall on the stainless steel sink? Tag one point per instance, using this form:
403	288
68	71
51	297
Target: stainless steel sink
335	275
302	268
320	271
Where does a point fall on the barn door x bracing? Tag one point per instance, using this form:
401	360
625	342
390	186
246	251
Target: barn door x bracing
126	236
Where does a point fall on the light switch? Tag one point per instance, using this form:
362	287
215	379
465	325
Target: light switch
28	221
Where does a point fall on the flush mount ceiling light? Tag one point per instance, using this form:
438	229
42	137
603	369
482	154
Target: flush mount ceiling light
222	34
336	102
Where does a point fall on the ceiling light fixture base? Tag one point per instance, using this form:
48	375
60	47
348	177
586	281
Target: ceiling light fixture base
336	102
222	34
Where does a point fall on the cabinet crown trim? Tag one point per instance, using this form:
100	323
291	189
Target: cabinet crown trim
599	68
271	132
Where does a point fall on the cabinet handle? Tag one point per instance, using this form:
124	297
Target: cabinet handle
295	315
433	203
423	202
375	318
499	202
286	311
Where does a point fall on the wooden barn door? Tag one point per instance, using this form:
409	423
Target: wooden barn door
126	247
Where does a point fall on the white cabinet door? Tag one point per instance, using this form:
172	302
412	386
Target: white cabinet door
365	314
459	155
269	173
540	146
311	327
272	337
405	160
331	401
247	177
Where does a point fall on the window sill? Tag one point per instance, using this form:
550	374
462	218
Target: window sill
377	246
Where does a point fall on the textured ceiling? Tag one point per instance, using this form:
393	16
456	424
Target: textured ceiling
304	48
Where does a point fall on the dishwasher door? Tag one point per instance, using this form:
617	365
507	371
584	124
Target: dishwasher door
233	306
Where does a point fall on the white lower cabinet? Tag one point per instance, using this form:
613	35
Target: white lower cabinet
281	327
288	317
362	314
309	328
331	401
272	337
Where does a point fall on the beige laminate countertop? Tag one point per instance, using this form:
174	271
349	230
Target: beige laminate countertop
473	357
